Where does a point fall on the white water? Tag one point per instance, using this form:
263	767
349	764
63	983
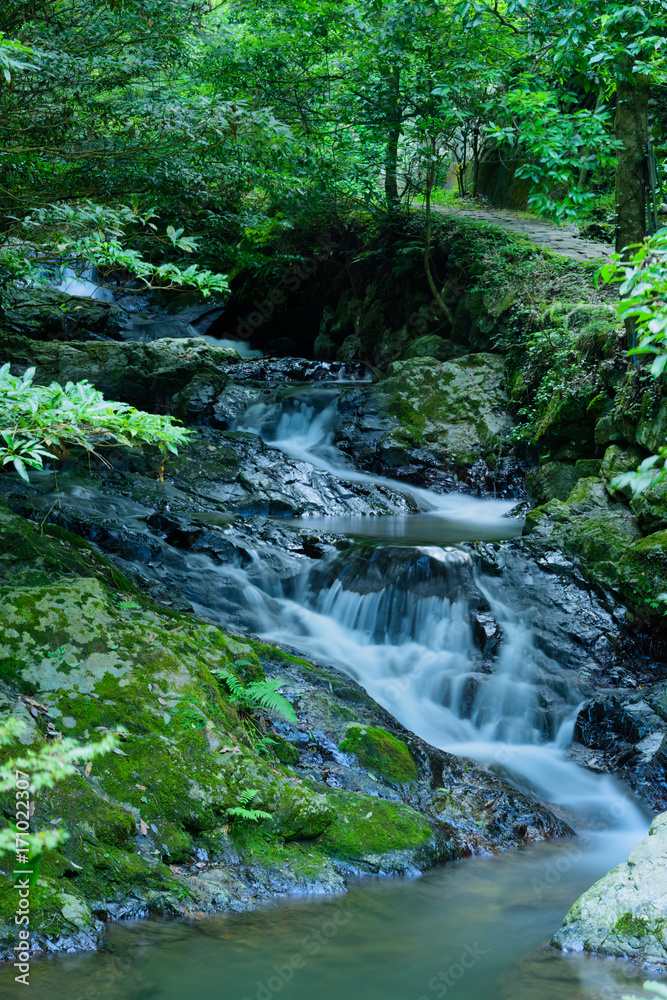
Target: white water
414	652
398	620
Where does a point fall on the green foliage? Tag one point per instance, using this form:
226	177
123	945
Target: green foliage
643	303
78	236
38	422
257	695
43	767
242	811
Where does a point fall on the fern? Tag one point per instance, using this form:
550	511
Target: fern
242	811
257	695
265	695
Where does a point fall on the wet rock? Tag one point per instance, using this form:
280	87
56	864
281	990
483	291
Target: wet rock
47	314
624	913
149	376
631	740
487	633
434	424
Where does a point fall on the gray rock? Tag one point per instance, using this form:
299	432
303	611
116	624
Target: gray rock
625	913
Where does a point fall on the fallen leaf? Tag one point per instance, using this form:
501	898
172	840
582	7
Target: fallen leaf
229	750
368	815
142	788
153	828
143	827
162	701
151	637
177	629
88	769
121	752
175	870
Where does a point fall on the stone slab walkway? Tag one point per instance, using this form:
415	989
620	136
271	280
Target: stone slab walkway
543	234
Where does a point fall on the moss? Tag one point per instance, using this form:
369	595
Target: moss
379	751
643	576
629	926
285	751
366	825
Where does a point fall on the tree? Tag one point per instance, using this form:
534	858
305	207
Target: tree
612	49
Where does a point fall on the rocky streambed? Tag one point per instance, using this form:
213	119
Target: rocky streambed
458	689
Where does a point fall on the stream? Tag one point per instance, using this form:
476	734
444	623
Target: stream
399	611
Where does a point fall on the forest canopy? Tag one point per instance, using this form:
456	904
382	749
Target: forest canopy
136	133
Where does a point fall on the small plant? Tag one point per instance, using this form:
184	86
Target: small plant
43	768
256	695
242	811
38	422
643	291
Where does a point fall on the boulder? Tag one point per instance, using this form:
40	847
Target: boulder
552	481
589	526
625	913
148	375
49	314
458	408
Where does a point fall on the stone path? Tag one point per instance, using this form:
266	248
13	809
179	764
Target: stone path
543	234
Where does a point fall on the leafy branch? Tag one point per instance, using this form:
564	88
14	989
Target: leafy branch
38	422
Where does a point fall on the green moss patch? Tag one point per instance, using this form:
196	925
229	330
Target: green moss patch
379	751
365	825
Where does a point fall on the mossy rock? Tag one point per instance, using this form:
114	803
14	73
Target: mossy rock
616	461
431	346
458	408
643	577
650	506
551	481
588	527
366	827
379	751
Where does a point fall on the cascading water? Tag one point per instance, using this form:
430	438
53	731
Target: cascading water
468	647
401	622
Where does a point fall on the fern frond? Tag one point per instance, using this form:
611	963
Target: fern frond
253	815
264	694
235	686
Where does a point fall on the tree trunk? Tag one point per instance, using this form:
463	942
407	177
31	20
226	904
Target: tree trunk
393	136
631	129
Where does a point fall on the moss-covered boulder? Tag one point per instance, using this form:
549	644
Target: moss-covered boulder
379	751
616	461
625	913
49	314
588	526
552	481
650	508
431	346
643	577
149	376
458	408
